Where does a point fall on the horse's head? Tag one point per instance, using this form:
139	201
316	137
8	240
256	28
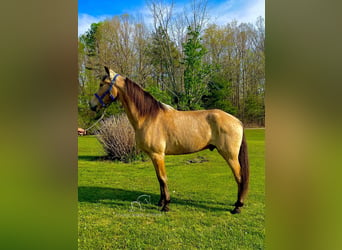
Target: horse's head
107	92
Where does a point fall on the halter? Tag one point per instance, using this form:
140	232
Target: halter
100	98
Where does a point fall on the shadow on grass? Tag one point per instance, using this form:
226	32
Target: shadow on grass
91	158
121	197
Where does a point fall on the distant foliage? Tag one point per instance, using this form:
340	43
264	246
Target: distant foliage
183	60
117	137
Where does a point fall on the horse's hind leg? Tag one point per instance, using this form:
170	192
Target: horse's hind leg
234	164
159	166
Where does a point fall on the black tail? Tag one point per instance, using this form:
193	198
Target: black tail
244	163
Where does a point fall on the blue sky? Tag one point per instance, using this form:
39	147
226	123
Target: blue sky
220	11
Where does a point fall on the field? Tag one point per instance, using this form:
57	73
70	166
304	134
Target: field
117	201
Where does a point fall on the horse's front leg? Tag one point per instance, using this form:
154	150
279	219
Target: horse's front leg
159	166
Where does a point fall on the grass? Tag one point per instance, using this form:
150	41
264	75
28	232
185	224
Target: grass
112	216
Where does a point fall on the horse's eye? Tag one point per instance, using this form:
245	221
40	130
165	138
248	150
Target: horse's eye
101	84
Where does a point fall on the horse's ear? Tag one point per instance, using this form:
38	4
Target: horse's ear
106	69
110	72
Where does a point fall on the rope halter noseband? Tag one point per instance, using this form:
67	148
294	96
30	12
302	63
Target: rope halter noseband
108	91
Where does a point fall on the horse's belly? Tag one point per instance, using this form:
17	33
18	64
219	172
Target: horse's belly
182	150
185	145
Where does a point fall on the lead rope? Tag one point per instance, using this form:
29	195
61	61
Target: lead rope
97	120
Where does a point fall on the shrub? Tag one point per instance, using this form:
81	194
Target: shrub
117	137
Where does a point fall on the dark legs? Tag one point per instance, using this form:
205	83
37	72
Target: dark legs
159	166
235	166
240	176
242	187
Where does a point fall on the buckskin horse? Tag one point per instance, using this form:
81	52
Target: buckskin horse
162	130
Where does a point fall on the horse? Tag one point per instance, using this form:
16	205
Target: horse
162	130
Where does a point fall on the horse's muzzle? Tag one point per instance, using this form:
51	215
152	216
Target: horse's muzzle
93	108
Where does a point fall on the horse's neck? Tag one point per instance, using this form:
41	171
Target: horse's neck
131	111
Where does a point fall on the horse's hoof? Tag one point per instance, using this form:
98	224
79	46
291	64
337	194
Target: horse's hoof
236	210
238	204
165	209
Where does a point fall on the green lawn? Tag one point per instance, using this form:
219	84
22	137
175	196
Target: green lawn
112	217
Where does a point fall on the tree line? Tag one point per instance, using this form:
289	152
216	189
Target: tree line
181	59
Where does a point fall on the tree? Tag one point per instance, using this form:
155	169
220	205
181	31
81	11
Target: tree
254	110
239	51
87	54
219	95
90	39
168	72
196	73
182	59
165	58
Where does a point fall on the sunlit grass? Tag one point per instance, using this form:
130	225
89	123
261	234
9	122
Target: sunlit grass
202	195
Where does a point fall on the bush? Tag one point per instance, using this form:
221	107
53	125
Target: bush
117	137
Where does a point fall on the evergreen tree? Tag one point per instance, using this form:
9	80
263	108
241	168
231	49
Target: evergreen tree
89	39
219	93
196	72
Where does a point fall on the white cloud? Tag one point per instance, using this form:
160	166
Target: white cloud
85	20
246	11
254	10
239	10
